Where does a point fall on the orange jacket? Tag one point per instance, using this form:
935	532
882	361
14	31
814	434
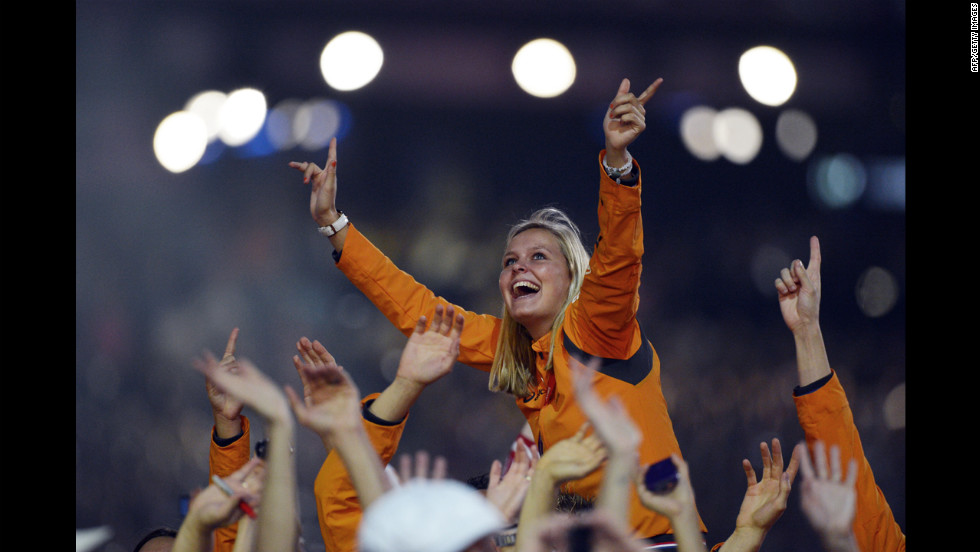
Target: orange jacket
602	323
825	415
224	461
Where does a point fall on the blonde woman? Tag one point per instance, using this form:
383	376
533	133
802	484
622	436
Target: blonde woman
561	306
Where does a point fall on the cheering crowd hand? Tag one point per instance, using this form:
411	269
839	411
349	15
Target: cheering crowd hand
323	191
799	291
828	499
246	384
765	499
625	119
226	409
506	491
333	403
430	354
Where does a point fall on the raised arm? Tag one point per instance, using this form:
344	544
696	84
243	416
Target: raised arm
334	413
276	528
568	459
213	508
799	303
677	505
620	436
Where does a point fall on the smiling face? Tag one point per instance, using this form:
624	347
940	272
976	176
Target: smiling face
534	280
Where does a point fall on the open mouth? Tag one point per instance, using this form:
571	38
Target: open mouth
524	289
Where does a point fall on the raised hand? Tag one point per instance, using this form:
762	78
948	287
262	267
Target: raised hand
421	466
430	354
829	500
572	458
225	408
507	491
246	384
626	118
310	363
333	405
799	290
765	499
323	193
212	508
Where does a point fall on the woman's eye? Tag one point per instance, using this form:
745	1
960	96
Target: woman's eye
539	256
508	262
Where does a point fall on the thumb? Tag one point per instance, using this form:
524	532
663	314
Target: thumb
624	87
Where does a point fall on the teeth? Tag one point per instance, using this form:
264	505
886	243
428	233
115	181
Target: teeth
527	285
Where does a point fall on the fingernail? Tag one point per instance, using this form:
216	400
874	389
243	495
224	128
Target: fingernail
333	163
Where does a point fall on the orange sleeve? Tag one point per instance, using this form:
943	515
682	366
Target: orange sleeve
403	300
338	507
224	461
825	415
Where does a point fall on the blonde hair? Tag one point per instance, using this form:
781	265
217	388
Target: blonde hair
513	366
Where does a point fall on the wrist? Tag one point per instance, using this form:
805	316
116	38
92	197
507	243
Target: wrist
748	538
227	428
327	217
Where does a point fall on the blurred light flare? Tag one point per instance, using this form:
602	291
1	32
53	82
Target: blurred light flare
796	134
876	292
697	132
836	181
241	116
544	68
767	74
180	141
351	60
737	134
207	106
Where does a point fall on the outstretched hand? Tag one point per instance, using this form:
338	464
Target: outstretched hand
506	491
225	408
799	290
765	499
246	384
212	508
333	402
323	193
430	354
828	499
626	117
572	458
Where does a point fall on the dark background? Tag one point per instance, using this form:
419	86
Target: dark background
443	153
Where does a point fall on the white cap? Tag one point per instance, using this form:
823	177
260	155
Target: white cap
439	515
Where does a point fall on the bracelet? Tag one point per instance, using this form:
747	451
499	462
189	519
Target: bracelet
335	226
615	174
508	538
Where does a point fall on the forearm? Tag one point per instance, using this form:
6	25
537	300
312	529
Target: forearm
362	463
687	531
539	503
395	401
614	495
744	539
811	354
193	536
277	520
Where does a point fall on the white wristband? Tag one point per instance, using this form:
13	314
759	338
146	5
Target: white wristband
616	173
335	226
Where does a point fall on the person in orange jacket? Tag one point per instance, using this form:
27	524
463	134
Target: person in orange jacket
821	404
561	306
